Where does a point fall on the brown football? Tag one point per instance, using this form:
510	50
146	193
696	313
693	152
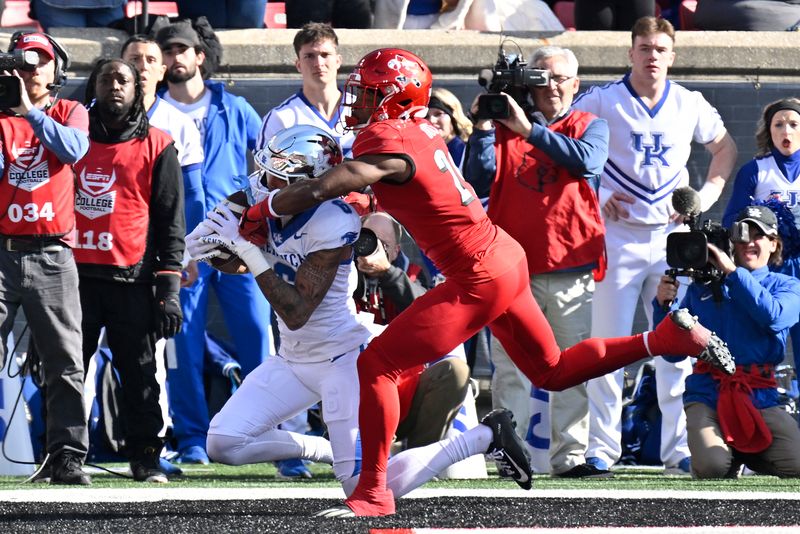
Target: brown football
227	262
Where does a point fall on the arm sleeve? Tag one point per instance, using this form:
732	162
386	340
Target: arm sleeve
744	186
194	197
68	141
253	125
167	219
585	156
775	309
481	165
399	288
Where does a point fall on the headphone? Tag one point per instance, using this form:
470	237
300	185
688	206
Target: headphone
62	59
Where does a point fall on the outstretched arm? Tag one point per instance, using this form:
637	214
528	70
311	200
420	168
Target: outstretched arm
352	175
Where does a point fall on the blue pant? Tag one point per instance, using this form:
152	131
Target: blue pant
56	17
225	13
246	314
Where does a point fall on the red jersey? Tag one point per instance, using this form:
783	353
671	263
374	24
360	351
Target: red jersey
561	227
113	199
436	206
36	189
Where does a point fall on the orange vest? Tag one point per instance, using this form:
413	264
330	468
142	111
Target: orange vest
554	216
112	205
36	190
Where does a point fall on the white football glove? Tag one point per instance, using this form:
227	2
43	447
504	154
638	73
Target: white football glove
225	228
200	250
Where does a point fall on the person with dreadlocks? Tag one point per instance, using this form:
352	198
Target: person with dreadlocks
130	226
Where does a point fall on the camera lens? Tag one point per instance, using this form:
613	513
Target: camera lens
366	244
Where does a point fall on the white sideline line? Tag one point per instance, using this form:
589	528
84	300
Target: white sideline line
151	494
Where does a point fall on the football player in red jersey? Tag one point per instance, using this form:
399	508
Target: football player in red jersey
405	161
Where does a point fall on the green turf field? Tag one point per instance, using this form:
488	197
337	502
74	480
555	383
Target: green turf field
263	476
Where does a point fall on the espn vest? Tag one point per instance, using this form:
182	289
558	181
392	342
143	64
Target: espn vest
36	190
554	215
112	205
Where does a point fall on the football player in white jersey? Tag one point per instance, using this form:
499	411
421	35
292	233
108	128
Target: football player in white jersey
318	102
653	122
306	270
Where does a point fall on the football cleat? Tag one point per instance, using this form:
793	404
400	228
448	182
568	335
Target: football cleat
507	449
335	512
680	333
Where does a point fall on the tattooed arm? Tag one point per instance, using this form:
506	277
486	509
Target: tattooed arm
295	303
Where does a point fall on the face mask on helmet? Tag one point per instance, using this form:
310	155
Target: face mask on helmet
301	152
389	83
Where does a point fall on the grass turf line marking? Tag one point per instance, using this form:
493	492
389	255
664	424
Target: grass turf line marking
150	494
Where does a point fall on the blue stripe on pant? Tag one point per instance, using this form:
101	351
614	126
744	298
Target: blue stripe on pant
246	314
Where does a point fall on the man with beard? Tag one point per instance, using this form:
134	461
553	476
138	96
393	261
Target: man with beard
144	54
229	127
129	180
40	139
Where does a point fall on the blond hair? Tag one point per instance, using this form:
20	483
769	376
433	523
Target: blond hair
461	124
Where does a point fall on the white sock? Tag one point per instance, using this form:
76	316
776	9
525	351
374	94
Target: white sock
413	467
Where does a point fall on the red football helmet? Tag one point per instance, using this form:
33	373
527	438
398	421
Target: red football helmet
392	83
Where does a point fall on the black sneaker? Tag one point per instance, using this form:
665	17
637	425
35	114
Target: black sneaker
146	467
585	471
67	469
507	449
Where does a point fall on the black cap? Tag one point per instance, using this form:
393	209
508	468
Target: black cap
761	216
180	32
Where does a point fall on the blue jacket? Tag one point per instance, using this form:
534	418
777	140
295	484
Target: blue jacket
231	131
757	309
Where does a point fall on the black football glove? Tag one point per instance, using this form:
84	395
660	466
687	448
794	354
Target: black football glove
167	305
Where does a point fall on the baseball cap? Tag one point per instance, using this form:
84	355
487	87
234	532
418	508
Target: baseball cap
761	216
36	41
180	32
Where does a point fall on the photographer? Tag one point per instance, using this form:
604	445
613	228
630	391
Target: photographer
430	396
41	139
545	164
734	420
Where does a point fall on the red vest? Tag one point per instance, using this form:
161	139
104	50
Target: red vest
112	204
36	190
555	216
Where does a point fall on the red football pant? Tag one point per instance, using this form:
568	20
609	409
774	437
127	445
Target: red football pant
446	316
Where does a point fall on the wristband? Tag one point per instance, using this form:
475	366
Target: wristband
269	203
254	259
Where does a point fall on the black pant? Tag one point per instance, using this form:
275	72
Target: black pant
339	13
610	15
125	310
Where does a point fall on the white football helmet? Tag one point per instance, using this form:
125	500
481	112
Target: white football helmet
298	153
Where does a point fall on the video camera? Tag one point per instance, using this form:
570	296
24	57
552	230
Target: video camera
509	75
9	85
367	243
687	252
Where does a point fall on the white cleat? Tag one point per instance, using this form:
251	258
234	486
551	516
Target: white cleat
337	511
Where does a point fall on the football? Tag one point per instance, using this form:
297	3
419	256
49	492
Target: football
227	262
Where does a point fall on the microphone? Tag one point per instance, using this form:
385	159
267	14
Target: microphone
686	201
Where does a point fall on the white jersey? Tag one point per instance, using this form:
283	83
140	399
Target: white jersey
771	181
333	328
649	148
298	110
168	118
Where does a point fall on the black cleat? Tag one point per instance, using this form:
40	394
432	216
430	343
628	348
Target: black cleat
67	469
146	466
585	471
507	449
